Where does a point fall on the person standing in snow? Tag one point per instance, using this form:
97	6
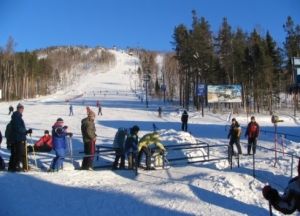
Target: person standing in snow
99	109
10	109
18	147
234	135
119	147
252	133
289	202
71	110
59	141
89	135
159	111
184	121
131	146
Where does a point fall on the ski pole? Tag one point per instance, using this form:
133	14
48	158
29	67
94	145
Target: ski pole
26	156
270	209
71	149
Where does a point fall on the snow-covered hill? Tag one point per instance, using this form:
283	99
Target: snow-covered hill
209	188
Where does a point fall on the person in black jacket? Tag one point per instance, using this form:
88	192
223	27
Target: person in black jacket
252	133
289	202
234	135
18	148
184	121
131	146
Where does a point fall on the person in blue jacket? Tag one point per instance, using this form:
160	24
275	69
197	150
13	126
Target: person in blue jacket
131	146
59	141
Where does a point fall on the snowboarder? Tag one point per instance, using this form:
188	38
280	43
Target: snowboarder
44	144
252	133
10	109
18	147
159	111
59	141
234	135
71	110
148	145
184	121
119	147
131	145
289	202
89	135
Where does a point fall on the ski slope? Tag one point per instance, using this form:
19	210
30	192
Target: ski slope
209	188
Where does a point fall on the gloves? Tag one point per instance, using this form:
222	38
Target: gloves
65	127
70	134
270	193
29	131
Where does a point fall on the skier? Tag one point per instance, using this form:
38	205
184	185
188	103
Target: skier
18	147
71	110
99	110
148	145
234	135
59	134
289	202
44	144
252	133
119	146
131	144
159	111
89	135
184	121
10	109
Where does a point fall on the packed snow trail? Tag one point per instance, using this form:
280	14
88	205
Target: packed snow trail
195	189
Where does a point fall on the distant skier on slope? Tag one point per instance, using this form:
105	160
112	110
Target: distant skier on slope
289	202
71	110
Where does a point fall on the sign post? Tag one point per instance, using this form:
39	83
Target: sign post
201	91
296	71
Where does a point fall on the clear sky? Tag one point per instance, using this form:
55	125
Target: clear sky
135	23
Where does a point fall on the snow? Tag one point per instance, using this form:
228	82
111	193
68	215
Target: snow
187	188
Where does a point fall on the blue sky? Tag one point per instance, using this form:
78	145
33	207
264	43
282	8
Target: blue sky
135	23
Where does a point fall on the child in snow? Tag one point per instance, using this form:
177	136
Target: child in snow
289	202
44	144
59	137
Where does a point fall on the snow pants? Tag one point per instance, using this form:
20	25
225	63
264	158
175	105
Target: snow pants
252	144
236	141
89	149
58	161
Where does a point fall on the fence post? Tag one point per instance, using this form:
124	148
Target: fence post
292	165
253	165
208	151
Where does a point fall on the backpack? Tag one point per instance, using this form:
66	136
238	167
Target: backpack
2	164
8	134
252	130
120	138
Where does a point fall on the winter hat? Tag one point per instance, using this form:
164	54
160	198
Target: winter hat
252	117
46	132
135	128
233	119
20	106
91	114
60	120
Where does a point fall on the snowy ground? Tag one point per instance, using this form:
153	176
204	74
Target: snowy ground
209	188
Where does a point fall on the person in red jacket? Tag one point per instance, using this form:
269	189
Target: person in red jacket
44	144
252	133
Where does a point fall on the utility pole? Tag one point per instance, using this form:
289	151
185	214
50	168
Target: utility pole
146	80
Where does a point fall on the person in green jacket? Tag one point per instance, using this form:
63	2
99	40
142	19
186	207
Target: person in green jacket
89	135
149	144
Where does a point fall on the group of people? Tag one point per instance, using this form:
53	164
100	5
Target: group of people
127	143
252	133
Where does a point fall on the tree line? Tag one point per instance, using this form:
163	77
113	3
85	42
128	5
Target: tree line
252	60
41	72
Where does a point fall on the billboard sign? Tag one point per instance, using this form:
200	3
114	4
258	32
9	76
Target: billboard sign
201	90
224	93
